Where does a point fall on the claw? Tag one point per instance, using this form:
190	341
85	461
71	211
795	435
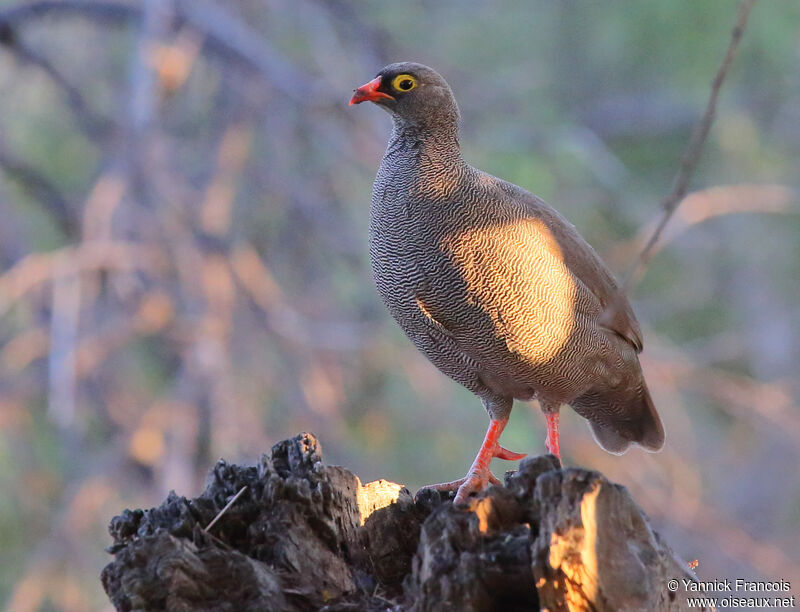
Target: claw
472	484
495	480
504	453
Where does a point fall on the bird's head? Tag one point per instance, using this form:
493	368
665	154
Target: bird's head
413	93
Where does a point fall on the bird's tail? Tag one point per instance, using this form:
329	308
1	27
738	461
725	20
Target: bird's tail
615	427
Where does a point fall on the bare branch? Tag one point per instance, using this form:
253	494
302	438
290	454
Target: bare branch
704	204
37	268
64	332
97	9
224	35
691	156
95	125
31	179
227	35
156	19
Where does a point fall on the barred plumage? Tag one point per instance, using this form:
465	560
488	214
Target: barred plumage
493	285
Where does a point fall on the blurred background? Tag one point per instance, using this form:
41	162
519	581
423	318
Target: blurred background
184	199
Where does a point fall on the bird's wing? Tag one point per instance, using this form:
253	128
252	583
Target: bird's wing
584	263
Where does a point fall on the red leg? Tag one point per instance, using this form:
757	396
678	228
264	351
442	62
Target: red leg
479	476
551	442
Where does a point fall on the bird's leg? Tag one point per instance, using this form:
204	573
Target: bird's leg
478	477
551	442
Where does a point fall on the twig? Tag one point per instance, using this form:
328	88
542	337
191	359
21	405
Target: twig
225	509
96	126
690	157
41	188
713	202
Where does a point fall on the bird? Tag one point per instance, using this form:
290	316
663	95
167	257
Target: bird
494	286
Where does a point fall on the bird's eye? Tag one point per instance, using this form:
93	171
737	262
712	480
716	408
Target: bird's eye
404	82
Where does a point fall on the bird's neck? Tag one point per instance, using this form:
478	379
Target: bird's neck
430	147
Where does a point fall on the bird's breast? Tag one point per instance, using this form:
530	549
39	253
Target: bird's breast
476	268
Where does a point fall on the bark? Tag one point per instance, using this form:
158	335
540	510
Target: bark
306	536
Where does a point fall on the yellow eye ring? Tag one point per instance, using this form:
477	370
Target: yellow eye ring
404	82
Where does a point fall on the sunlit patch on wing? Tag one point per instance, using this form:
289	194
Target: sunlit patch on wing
515	273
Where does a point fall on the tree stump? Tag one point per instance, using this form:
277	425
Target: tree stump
305	536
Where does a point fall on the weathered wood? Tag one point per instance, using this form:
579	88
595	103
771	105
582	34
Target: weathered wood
596	550
305	536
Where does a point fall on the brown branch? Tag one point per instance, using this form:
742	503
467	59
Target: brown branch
691	156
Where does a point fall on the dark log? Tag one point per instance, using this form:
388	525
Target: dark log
306	536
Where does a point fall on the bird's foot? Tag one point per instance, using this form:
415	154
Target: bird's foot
464	487
479	476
